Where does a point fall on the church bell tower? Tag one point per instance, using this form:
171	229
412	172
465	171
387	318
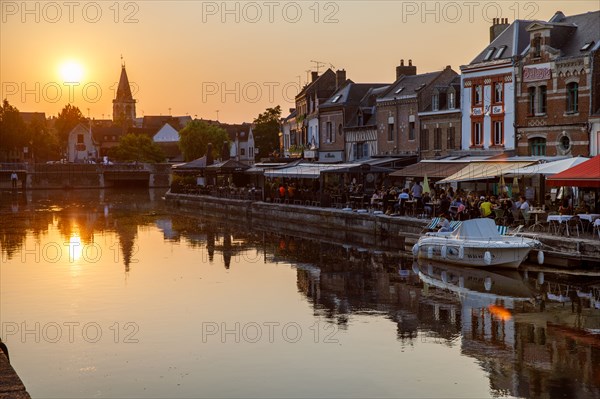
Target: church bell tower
123	104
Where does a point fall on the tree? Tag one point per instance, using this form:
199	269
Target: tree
137	147
67	119
43	144
194	139
266	130
13	136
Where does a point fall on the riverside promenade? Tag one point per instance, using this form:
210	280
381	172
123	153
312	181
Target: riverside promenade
394	232
11	385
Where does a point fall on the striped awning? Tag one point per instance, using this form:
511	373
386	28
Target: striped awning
484	171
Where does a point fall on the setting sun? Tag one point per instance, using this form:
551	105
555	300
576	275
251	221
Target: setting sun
71	71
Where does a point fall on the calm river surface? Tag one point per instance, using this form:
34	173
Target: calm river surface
111	294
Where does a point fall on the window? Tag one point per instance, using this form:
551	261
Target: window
499	52
498	133
340	129
451	100
451	139
361	150
242	151
476	135
336	98
572	98
411	130
565	143
329	132
498	92
536	47
360	119
477	95
437	139
424	140
537	146
542	99
587	46
488	54
435	102
531	101
80	139
390	132
399	90
251	152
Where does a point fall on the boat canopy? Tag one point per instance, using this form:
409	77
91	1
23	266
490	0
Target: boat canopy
477	229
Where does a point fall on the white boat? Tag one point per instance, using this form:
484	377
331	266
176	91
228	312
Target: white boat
476	243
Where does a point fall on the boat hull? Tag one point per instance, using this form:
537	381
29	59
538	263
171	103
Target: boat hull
473	254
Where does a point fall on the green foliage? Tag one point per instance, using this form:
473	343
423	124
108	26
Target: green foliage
266	130
43	144
194	139
13	136
137	147
67	119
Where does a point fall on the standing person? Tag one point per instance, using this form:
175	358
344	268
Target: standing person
486	208
417	192
13	179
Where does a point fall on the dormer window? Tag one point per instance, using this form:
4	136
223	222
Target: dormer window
435	102
587	46
536	47
499	52
489	53
451	100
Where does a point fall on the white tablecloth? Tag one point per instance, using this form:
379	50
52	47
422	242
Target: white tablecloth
558	218
590	217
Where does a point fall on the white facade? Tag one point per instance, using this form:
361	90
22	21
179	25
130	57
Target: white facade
242	149
81	146
166	134
487	110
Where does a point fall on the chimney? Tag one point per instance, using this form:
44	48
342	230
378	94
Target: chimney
499	25
340	77
405	70
314	75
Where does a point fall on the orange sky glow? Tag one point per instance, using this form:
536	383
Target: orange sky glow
197	57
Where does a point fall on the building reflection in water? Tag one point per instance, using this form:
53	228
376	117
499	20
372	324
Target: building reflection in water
536	333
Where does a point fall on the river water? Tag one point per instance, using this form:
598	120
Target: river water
112	294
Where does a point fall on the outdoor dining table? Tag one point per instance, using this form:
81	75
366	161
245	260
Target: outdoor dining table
590	217
597	226
553	219
536	213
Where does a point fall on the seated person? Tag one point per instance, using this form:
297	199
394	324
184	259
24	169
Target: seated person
486	208
444	224
402	197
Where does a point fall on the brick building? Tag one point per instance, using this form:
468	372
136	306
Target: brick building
398	108
441	122
558	92
335	115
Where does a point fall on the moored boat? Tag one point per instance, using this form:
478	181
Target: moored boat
476	243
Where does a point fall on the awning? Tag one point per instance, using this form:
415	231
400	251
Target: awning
546	169
433	170
586	174
484	170
228	166
300	171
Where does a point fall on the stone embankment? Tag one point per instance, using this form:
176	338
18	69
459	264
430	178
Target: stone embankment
399	233
11	385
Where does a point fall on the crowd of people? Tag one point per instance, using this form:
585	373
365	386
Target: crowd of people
458	205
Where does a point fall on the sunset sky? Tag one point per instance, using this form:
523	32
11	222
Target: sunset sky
197	57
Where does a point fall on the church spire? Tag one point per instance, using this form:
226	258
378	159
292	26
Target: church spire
123	104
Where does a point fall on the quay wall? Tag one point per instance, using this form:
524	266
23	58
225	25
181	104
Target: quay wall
394	233
11	385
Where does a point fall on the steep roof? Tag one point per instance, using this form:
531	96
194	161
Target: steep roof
513	39
124	90
98	133
573	32
408	86
350	95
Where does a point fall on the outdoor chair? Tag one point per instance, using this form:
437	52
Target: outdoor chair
502	229
499	219
574	224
